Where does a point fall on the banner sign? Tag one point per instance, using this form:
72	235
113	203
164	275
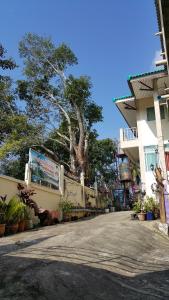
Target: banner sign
43	170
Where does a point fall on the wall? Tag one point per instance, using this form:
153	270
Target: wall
73	192
147	135
45	197
91	196
146	129
49	198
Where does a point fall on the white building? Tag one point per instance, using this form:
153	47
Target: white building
146	111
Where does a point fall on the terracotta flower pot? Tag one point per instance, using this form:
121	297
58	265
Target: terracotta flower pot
141	216
13	228
2	229
21	226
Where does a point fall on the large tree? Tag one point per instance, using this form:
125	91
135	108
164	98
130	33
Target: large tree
16	131
54	97
101	158
102	161
7	100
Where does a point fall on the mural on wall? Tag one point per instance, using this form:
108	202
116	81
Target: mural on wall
44	171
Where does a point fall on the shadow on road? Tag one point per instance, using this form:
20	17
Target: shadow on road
61	272
7	248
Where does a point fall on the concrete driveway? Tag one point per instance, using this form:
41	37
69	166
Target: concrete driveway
107	257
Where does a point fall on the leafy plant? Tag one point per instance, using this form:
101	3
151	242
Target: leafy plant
137	206
25	195
3	208
27	213
66	206
150	204
15	210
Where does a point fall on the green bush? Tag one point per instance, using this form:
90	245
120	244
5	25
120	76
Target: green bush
66	206
137	206
15	211
150	205
3	208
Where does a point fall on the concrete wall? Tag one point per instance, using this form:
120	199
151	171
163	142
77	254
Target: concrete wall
147	135
49	198
45	197
73	192
91	196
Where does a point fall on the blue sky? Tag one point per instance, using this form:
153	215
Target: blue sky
112	40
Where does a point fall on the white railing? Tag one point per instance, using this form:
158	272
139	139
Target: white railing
129	134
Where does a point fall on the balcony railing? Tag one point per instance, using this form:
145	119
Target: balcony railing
129	134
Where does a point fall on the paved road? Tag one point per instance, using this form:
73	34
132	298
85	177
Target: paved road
107	257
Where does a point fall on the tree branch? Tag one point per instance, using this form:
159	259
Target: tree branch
61	143
60	107
63	136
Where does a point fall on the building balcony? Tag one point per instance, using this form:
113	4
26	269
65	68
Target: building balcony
128	138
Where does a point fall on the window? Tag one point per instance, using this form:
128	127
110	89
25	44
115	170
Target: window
151	113
151	157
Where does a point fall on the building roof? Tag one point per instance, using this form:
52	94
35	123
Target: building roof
122	98
130	77
137	76
141	85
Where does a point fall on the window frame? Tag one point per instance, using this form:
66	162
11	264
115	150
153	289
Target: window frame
149	150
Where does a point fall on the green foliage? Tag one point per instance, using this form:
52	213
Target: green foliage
27	213
37	51
3	208
56	101
66	206
137	206
7	99
15	211
150	205
101	160
6	63
16	131
78	93
104	201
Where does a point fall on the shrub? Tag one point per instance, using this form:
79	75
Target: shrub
137	206
15	211
66	206
3	208
150	204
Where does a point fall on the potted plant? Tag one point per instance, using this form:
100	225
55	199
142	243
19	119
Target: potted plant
149	206
66	207
138	209
21	224
28	218
14	210
3	207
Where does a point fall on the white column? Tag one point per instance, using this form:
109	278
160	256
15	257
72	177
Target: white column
61	180
82	181
140	118
27	174
159	130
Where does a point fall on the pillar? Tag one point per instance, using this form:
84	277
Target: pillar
160	139
61	180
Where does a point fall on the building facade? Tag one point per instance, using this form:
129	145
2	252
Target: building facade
146	111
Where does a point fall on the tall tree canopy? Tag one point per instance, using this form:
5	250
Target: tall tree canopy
7	101
16	131
54	97
57	114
